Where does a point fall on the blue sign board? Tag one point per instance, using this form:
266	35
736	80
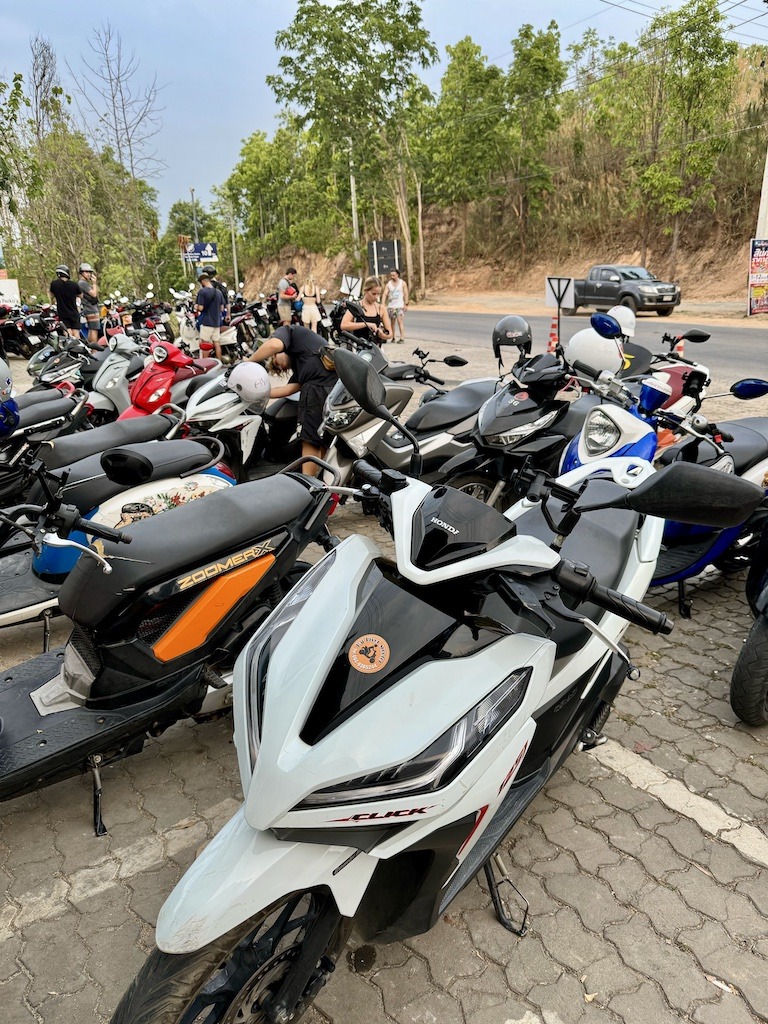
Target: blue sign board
201	252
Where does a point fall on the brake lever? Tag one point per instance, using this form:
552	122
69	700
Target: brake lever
55	541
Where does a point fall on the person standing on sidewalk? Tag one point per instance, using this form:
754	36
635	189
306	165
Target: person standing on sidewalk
66	294
310	314
396	300
89	301
208	306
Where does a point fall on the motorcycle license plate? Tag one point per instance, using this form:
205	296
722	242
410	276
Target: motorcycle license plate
127	319
326	321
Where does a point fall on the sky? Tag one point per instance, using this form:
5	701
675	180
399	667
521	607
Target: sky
212	58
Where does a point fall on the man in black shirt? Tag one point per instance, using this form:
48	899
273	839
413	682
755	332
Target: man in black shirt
210	272
66	293
310	377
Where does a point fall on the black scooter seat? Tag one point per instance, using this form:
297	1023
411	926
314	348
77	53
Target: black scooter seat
20	588
457	405
30	398
167	458
63	451
203	379
42	412
185	537
35	749
602	539
748	447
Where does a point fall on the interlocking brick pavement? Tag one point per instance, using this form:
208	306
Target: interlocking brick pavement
645	909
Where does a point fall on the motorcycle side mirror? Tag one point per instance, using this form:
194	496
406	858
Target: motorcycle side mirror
261	295
749	387
150	287
362	382
150	295
689	493
323	291
455	361
607	326
33	298
696	336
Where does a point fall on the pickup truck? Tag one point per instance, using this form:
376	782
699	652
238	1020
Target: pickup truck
609	284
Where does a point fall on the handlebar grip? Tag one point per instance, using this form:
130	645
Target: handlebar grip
725	436
631	610
367	472
435	380
105	532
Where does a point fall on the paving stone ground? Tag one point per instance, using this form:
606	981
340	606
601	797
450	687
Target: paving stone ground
641	912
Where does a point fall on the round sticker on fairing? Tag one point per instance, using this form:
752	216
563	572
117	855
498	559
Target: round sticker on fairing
369	653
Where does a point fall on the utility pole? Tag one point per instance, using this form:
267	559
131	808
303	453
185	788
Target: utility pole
234	246
194	213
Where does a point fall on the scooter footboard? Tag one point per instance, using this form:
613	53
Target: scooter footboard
242	871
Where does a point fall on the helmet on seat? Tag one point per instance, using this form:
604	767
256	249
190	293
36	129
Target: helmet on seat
251	382
626	318
512	330
62	270
9	417
594	351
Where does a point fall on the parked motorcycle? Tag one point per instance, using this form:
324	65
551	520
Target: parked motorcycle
385	761
15	340
110	388
165	380
114	489
155	635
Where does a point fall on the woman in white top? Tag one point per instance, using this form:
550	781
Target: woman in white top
310	314
395	298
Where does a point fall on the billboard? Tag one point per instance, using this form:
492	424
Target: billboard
757	288
201	252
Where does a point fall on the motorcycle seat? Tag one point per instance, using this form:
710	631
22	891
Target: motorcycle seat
602	539
31	398
41	412
137	332
749	445
182	540
63	451
88	484
193	369
136	365
455	406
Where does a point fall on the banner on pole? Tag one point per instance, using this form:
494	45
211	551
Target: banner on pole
757	288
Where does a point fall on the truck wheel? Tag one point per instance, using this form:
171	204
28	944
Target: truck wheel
629	301
749	682
666	311
568	312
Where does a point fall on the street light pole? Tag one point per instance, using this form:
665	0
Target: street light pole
194	213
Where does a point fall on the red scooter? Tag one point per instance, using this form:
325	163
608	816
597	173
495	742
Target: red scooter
165	380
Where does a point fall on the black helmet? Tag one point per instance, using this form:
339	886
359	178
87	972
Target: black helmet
62	270
512	330
209	270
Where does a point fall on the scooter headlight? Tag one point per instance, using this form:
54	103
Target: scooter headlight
524	430
338	419
442	760
255	658
600	432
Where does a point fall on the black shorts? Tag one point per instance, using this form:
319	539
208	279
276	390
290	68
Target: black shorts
311	401
70	321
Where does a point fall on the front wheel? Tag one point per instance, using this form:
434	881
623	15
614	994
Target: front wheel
630	302
666	311
749	682
569	312
480	487
232	978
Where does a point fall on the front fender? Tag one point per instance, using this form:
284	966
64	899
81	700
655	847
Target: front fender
244	870
471	461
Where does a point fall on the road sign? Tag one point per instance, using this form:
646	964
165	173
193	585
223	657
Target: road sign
351	286
558	293
384	256
201	252
9	292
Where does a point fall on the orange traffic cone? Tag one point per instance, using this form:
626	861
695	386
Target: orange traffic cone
553	336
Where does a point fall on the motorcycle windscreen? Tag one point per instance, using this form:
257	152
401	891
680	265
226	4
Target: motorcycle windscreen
398	627
450	525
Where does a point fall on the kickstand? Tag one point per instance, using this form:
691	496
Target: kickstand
498	904
683	601
47	630
98	822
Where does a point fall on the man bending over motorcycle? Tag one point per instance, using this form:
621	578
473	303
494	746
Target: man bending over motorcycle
311	377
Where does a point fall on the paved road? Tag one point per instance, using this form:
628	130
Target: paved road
731	351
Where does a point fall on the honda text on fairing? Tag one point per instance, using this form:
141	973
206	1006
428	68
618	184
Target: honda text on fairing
386	750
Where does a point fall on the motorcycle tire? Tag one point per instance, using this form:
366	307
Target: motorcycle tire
478	486
749	682
228	978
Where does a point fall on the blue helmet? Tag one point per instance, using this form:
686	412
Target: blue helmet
9	417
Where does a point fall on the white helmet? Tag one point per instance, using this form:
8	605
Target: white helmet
251	382
626	318
592	350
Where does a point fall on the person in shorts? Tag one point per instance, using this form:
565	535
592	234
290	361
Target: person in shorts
66	293
301	350
89	301
208	305
395	298
286	293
